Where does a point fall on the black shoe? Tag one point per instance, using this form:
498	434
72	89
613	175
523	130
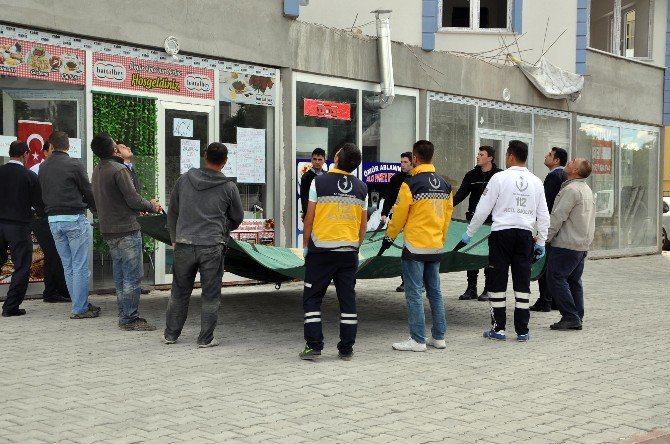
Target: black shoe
470	294
566	325
346	356
56	298
15	312
484	296
92	307
309	355
540	306
401	288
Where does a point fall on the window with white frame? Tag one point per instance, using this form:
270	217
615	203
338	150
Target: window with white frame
476	15
621	27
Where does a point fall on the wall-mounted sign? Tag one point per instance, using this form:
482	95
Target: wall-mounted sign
327	110
41	62
141	75
601	156
248	88
35	134
379	172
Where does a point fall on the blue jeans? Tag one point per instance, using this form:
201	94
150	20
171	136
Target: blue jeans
73	242
564	276
126	255
415	274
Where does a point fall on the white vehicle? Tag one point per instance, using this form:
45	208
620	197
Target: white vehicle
665	243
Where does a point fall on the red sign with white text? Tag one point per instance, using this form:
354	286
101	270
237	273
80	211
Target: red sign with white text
327	110
35	134
601	156
41	62
142	75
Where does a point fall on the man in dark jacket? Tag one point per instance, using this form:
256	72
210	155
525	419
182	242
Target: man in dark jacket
205	206
318	159
21	191
555	160
118	205
126	153
67	194
474	183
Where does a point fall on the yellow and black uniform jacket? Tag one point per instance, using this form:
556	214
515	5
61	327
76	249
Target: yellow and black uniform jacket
340	202
423	209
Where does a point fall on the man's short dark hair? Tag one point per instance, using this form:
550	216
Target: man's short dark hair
102	145
46	145
348	157
18	148
561	155
407	154
59	140
216	153
423	150
319	152
519	150
490	151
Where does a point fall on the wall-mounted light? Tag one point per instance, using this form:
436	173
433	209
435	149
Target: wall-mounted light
172	46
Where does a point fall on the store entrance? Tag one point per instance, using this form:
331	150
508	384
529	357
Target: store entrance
184	132
500	140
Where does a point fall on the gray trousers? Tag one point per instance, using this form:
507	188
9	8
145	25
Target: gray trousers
188	260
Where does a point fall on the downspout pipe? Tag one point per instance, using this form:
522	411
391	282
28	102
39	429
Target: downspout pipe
385	98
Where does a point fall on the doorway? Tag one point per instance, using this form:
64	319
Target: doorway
500	140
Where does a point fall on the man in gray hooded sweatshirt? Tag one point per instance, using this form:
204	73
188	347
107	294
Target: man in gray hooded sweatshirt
205	206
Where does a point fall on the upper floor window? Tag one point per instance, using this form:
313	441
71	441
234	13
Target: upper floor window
476	15
621	27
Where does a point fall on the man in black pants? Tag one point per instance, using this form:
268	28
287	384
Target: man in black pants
318	159
21	191
335	226
555	160
515	197
473	184
392	194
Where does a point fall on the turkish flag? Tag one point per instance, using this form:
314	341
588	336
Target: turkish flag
35	134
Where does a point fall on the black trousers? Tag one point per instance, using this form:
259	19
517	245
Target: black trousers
545	294
16	239
320	269
510	248
54	278
473	275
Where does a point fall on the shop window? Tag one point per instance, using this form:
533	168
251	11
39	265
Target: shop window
388	132
505	120
549	132
476	14
621	28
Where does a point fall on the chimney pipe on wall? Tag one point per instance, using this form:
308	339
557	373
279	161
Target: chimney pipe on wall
385	98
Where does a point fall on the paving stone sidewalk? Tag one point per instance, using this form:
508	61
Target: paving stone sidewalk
86	381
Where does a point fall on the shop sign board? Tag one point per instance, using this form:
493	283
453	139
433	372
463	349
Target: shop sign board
130	74
35	134
37	61
327	110
601	156
252	89
379	172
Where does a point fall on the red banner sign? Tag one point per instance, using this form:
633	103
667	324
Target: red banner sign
41	62
35	134
601	156
327	110
140	75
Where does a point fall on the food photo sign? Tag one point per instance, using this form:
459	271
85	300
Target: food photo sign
129	74
42	62
252	89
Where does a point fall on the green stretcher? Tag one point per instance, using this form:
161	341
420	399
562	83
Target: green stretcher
279	264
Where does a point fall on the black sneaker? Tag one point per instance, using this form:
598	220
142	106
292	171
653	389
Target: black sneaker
87	314
540	306
484	296
346	356
92	307
470	294
566	325
400	288
139	324
16	312
309	355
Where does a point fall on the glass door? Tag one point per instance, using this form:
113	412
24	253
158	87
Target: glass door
186	132
500	141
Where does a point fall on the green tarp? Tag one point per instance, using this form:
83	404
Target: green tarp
278	264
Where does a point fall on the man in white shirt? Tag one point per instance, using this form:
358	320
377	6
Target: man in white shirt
515	198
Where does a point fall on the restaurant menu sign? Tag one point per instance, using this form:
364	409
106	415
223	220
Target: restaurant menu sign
129	74
19	58
252	89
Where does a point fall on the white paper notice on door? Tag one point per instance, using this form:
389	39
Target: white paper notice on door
230	170
250	155
5	141
75	148
189	156
182	127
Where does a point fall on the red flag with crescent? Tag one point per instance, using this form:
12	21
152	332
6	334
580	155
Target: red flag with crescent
35	134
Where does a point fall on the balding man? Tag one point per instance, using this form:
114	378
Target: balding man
570	232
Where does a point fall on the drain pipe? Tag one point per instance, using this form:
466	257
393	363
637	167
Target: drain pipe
385	98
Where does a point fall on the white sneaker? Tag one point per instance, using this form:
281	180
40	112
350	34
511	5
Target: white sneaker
168	341
410	345
212	343
437	343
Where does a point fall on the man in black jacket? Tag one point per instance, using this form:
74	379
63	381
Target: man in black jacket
126	153
318	159
555	160
21	191
474	183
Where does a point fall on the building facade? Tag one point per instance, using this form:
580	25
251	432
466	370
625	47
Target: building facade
276	79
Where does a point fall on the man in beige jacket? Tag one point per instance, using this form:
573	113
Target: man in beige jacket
570	233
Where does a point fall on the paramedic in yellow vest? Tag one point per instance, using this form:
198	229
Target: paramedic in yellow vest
423	210
335	226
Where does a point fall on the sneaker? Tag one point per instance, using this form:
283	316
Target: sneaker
484	296
470	294
401	288
436	343
523	338
168	341
212	343
497	335
409	345
309	355
92	307
566	325
540	306
17	312
345	356
138	324
87	314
